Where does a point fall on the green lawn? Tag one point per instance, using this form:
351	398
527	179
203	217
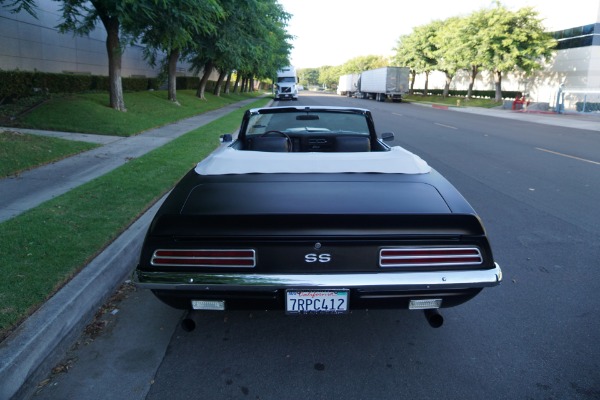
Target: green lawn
43	248
90	113
20	152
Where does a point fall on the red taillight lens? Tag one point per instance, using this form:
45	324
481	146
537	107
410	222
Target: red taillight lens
429	256
204	258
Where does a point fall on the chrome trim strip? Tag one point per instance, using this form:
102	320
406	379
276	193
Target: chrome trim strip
231	265
477	259
256	282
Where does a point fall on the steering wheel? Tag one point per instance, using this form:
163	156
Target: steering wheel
285	135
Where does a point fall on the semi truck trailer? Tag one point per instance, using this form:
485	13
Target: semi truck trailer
384	83
348	85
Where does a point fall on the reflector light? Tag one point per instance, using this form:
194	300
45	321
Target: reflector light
204	258
424	304
212	305
429	256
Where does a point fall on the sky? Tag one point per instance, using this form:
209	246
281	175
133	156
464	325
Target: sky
331	32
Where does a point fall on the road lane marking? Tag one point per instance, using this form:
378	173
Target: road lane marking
400	115
568	156
446	126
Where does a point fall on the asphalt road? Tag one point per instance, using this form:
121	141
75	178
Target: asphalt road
535	336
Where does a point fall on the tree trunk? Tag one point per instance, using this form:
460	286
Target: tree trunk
251	84
173	57
498	84
472	77
243	87
113	48
413	77
447	84
236	85
426	83
217	91
228	83
208	67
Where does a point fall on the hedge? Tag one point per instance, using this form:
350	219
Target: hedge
25	83
589	107
187	82
486	94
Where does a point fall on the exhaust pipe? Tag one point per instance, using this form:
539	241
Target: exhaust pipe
434	318
188	323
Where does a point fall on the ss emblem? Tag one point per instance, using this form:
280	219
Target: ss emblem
312	257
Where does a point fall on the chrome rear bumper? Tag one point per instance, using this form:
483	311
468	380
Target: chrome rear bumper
204	282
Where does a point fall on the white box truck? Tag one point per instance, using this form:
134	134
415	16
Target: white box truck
348	85
286	85
384	83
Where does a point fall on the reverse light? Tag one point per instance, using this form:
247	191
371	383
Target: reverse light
424	304
429	256
234	258
208	305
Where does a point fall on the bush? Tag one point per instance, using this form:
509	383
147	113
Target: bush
486	94
589	107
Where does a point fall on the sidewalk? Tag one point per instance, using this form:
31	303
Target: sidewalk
568	120
39	343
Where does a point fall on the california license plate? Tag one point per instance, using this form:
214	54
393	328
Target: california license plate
316	301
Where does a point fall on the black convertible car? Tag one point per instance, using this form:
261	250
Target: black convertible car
309	211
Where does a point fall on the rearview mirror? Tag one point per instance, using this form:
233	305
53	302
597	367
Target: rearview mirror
307	117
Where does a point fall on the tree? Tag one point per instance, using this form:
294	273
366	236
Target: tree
426	49
268	47
406	57
308	76
168	27
469	46
418	51
16	6
251	40
363	63
81	16
447	41
512	40
329	76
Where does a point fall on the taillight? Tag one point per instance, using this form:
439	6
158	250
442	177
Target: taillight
429	256
204	258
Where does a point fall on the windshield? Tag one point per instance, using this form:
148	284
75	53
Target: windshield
289	79
308	122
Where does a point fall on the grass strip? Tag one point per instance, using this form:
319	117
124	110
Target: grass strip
20	152
44	248
456	101
90	113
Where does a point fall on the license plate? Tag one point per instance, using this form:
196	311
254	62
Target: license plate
316	301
